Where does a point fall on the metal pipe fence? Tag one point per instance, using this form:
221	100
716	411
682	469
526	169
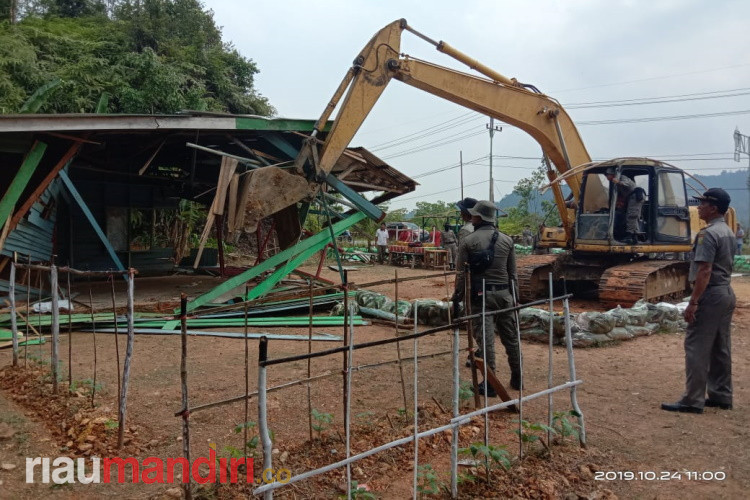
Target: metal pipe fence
458	419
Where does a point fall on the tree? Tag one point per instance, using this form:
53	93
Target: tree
150	56
531	209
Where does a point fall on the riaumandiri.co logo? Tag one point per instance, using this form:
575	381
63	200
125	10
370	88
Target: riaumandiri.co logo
149	470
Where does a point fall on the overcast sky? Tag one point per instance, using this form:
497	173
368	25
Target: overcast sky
578	51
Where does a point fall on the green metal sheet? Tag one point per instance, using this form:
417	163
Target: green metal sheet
19	182
307	247
280	124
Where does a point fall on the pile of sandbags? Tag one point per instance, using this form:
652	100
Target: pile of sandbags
593	328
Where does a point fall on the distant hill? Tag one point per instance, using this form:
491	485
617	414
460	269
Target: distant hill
733	182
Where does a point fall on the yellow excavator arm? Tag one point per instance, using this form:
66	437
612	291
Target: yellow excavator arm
492	94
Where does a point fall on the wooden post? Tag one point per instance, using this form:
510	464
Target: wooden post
185	407
220	242
128	358
55	326
70	338
247	380
470	335
28	308
13	325
117	342
93	332
398	350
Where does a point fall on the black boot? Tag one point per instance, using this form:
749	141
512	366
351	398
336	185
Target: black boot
515	379
490	390
477	354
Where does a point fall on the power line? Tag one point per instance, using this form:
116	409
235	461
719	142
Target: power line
454	122
432	145
660	100
654	78
662	118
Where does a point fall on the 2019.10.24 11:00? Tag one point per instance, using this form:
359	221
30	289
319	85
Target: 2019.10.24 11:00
649	475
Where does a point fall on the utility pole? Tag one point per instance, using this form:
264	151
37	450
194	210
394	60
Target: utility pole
742	146
492	128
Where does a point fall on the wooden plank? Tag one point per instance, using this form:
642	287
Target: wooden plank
92	220
19	182
67	157
317	241
228	166
232	208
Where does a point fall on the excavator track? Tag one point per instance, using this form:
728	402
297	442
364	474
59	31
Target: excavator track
652	280
533	275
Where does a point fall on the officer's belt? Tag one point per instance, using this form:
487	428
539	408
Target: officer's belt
490	287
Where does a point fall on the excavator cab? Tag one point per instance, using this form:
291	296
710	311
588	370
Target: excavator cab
632	206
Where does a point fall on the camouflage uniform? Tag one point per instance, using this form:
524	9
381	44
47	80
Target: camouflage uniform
708	356
498	296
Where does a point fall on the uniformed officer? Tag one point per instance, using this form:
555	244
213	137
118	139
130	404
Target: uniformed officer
497	278
450	243
464	206
708	358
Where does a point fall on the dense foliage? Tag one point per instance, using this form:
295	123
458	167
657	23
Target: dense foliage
143	56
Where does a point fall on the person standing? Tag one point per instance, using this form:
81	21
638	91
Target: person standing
527	236
740	235
450	243
497	277
708	357
381	235
464	206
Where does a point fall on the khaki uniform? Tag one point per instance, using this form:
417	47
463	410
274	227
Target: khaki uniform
450	244
498	295
708	356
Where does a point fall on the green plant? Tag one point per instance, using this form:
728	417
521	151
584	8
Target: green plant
358	491
366	417
111	424
563	426
465	391
429	483
494	456
240	427
322	421
532	432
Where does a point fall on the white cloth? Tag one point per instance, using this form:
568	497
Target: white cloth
382	236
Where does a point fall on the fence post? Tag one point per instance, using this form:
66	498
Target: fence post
185	402
55	327
13	325
416	399
128	357
456	412
549	362
572	367
263	416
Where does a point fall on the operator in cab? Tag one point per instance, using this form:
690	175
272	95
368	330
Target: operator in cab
630	199
490	257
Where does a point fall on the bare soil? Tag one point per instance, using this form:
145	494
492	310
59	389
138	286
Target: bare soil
623	387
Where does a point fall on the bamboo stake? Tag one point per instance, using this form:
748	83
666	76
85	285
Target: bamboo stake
13	325
28	306
117	342
398	351
345	286
470	332
70	338
128	357
309	366
247	379
39	316
185	411
55	327
93	333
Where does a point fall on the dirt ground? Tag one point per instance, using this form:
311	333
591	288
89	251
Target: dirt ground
622	388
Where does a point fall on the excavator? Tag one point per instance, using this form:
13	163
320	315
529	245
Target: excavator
651	265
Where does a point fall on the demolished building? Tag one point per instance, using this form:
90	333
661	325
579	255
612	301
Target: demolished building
73	184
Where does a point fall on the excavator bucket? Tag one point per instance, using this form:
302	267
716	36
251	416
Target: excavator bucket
269	190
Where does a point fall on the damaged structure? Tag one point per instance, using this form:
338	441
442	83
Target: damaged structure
90	191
